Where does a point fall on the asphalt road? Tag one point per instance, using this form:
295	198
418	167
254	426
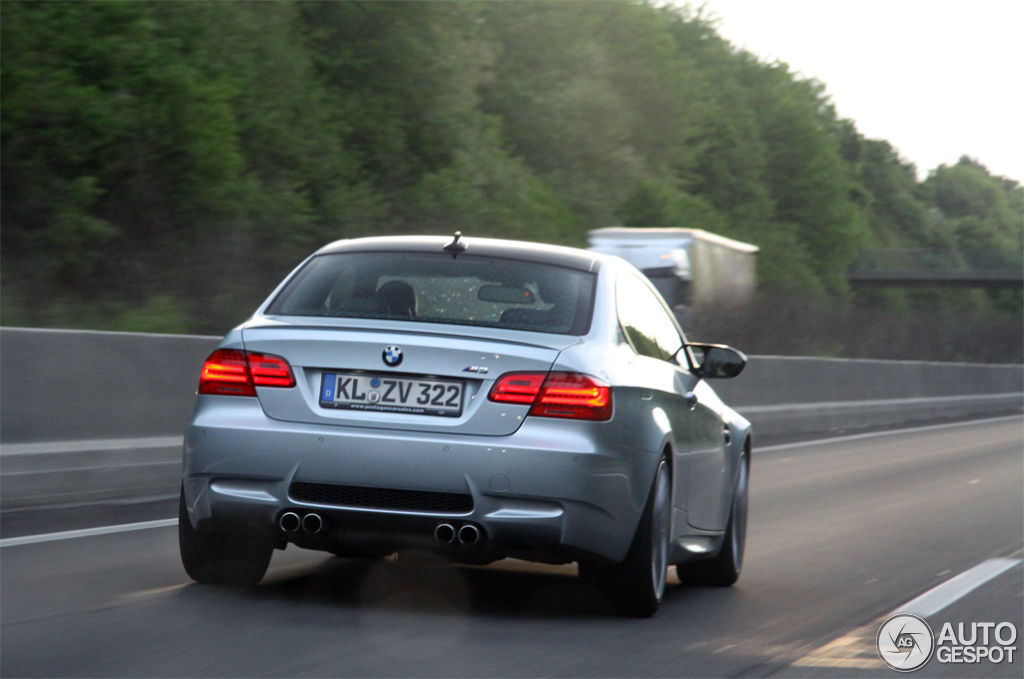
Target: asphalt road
841	533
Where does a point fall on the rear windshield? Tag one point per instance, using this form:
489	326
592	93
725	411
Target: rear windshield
437	288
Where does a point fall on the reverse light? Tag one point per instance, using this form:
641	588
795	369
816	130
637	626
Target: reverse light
557	394
233	372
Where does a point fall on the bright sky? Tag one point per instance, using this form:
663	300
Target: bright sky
936	78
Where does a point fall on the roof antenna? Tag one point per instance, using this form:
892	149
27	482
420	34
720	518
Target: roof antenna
456	246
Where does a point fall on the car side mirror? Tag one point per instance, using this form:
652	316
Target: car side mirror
718	361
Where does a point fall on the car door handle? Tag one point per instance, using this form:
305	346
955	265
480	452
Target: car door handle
691	400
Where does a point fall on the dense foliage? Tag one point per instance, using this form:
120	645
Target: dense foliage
164	164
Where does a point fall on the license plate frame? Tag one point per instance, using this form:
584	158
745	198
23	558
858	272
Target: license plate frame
395	393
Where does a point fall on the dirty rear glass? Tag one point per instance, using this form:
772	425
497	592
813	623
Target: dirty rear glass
436	288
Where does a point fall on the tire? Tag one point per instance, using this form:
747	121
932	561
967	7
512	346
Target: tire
724	569
219	559
638	583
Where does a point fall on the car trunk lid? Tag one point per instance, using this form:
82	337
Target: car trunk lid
347	356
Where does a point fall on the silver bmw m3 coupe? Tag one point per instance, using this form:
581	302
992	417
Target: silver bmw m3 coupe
479	398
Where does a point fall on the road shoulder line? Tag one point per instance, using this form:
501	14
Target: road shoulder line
856	648
887	432
90	446
940	596
878	403
86	532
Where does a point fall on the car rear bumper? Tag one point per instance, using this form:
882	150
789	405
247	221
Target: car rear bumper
553	490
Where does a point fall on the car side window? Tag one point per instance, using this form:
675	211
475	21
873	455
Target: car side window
644	320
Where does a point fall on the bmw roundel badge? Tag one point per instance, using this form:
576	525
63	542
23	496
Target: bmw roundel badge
392	355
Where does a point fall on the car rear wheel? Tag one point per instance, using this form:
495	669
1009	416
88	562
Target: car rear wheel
220	559
724	569
638	583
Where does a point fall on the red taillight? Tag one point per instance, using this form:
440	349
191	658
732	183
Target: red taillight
226	372
575	396
517	388
270	371
558	394
232	372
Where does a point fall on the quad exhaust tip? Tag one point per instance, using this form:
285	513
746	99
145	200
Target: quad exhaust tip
444	533
469	534
289	522
312	523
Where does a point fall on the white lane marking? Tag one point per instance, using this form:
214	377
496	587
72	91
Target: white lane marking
876	434
856	649
123	502
937	598
94	445
87	532
920	400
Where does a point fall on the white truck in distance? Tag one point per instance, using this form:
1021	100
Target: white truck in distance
689	267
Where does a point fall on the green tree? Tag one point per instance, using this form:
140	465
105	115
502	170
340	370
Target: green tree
178	158
978	210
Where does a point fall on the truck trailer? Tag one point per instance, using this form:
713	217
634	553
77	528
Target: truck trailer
689	267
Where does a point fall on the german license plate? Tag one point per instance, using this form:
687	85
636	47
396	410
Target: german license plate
391	394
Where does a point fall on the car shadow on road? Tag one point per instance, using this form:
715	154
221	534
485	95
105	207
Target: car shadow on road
423	584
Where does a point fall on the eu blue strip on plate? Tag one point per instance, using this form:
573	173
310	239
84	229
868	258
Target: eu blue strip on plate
328	390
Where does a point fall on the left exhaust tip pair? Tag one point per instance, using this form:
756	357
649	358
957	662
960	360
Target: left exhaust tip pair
290	522
468	534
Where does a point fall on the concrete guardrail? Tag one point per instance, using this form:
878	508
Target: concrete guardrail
98	416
